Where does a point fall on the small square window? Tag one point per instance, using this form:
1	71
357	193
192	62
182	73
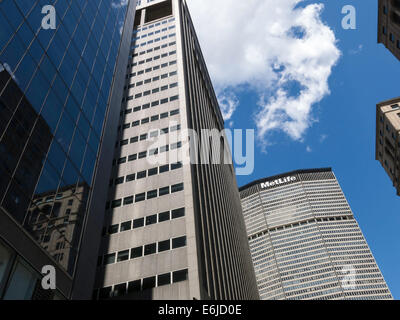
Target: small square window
151	220
149	283
164	191
178	213
151	195
128	200
134	286
138	223
113	229
164	216
109	259
136	252
140	197
150	249
130	178
164	168
141	175
164	279
164	246
153	172
126	226
178	242
123	256
179	276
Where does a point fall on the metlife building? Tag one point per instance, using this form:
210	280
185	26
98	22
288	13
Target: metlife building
305	242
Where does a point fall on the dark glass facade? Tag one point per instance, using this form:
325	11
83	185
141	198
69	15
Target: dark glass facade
55	86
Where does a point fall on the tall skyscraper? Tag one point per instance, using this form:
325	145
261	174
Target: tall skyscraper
305	242
388	139
57	65
389	25
173	230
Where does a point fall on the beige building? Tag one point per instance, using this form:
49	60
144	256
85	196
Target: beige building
389	25
388	138
173	230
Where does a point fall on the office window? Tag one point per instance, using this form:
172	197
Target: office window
164	216
164	131
130	178
138	223
174	98
173	85
179	276
153	152
151	195
109	258
119	290
154	134
176	145
145	120
137	109
178	213
153	172
163	101
126	226
155	118
150	249
156	90
149	283
116	203
113	229
151	220
174	73
164	149
122	160
179	242
140	197
128	200
163	88
174	112
134	286
164	246
164	76
132	157
146	106
143	137
164	279
136	252
143	155
124	142
164	168
141	175
135	123
175	166
119	180
123	256
164	191
177	188
155	103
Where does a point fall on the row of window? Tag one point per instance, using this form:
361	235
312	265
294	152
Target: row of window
150	69
146	136
148	105
166	45
154	79
153	91
141	285
146	221
145	35
154	41
152	25
149	153
147	120
142	196
155	58
146	173
142	251
391	37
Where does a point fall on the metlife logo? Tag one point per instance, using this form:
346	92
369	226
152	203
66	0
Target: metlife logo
278	182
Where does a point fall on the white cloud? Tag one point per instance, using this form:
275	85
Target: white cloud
308	149
279	48
119	3
228	103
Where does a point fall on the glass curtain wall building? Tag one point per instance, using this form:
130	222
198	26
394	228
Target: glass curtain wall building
173	230
56	86
305	242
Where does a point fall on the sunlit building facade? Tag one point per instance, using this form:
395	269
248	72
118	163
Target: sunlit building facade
305	242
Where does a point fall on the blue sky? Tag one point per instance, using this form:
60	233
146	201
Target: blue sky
339	131
343	137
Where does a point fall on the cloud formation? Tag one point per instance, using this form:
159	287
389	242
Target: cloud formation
279	48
